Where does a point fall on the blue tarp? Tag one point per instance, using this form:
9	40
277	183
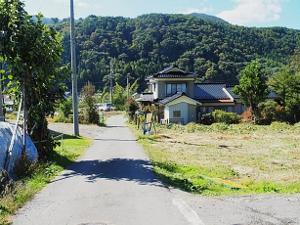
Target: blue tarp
6	132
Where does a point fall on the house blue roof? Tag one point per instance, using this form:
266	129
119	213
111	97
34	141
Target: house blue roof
271	95
210	92
230	90
172	98
145	97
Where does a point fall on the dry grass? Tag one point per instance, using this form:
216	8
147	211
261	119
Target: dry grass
237	153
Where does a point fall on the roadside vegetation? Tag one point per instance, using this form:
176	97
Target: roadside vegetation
31	182
227	159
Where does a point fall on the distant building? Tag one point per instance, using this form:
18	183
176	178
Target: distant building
183	100
8	103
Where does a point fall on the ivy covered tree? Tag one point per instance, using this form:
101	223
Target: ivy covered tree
33	51
87	107
253	88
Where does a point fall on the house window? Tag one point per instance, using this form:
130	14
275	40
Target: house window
176	114
174	88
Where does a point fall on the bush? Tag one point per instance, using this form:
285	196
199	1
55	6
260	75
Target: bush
191	127
220	116
87	108
23	167
270	111
102	120
207	119
6	183
64	111
132	107
219	127
280	126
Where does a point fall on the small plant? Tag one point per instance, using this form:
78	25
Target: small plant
64	111
280	126
23	166
102	120
5	183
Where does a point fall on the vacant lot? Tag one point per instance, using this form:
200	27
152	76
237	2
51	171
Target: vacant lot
222	159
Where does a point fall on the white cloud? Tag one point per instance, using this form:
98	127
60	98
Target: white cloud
205	9
253	11
204	6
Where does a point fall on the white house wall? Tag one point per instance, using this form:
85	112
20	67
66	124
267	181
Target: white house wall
166	113
184	108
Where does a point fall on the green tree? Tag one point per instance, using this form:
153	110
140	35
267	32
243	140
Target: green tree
286	84
120	95
252	87
12	16
33	51
87	108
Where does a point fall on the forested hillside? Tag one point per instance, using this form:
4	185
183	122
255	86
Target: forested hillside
216	51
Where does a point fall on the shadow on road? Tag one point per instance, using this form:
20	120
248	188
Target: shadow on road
117	140
115	126
118	169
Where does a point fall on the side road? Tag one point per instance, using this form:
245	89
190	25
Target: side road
114	184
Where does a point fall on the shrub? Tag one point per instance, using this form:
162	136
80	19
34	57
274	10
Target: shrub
64	111
280	126
207	119
219	127
87	107
132	107
221	116
247	116
65	107
191	127
270	111
6	183
102	120
23	167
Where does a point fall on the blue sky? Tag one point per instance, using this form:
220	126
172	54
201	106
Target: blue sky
242	12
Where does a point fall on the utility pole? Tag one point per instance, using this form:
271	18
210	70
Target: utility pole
127	86
73	67
24	115
111	80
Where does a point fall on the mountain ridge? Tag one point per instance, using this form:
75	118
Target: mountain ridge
144	45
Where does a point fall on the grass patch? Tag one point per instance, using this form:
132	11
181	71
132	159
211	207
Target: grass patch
223	159
71	148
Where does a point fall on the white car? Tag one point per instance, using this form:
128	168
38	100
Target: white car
105	107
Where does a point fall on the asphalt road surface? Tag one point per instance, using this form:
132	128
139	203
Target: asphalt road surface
113	184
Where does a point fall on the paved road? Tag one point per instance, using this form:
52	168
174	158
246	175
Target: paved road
113	185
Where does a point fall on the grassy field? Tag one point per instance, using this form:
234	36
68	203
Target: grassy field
227	159
71	148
